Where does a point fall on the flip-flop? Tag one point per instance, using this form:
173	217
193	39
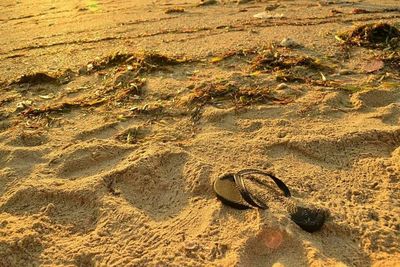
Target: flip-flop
231	190
281	185
228	192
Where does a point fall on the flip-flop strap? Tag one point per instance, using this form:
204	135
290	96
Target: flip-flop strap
282	186
252	200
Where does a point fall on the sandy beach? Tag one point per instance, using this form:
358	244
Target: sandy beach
116	117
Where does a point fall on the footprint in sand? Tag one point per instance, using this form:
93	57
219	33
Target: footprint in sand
154	184
87	159
376	98
28	139
77	210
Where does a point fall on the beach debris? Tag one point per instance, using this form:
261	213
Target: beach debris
23	105
90	5
160	60
216	59
282	86
373	65
66	76
289	78
335	11
272	60
174	10
58	107
228	90
268	15
126	79
207	2
110	61
46	96
289	43
89	67
359	11
131	90
345	72
271	7
35	78
239	2
290	68
392	60
132	135
375	35
322	76
134	62
150	108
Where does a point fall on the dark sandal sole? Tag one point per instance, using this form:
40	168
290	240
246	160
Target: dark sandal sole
231	190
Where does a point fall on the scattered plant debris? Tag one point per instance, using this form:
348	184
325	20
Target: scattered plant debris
207	2
154	59
134	88
108	62
229	54
138	63
392	60
284	77
271	60
359	11
225	90
377	35
271	7
63	106
287	42
23	105
132	135
174	10
36	78
116	95
151	108
268	15
239	2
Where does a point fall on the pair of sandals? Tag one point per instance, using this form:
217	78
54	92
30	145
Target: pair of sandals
231	189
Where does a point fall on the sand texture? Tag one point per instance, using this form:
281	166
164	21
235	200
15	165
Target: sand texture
117	116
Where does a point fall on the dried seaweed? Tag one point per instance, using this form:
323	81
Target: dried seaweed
119	95
36	78
207	3
137	62
233	53
63	106
134	88
392	61
112	61
148	109
132	135
45	78
174	10
150	61
229	91
376	35
271	60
